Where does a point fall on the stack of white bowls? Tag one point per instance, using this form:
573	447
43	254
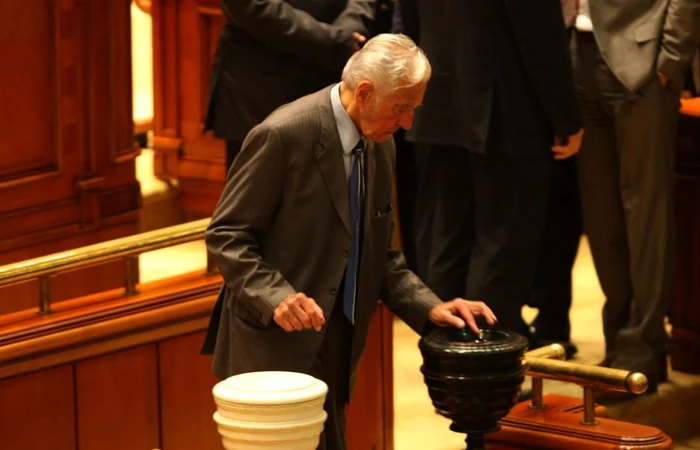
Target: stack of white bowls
270	411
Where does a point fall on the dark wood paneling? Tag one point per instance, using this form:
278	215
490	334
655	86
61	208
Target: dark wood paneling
186	400
67	175
37	411
685	311
117	400
185	33
140	380
370	417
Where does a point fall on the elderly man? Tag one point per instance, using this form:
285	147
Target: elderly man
301	233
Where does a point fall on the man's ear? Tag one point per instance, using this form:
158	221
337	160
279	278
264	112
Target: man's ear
364	93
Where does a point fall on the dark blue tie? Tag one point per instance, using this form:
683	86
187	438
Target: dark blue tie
357	195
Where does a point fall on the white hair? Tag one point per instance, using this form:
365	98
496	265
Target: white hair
390	62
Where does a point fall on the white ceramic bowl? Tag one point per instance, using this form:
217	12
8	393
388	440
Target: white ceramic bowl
270	410
291	435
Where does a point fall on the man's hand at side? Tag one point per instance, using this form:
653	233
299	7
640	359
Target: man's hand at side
298	312
563	151
459	313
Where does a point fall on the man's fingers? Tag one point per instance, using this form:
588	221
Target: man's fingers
314	313
299	311
467	316
296	323
480	308
317	318
451	319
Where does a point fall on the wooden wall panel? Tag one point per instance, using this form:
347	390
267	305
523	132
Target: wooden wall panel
117	401
140	382
185	33
370	416
37	411
67	174
685	310
186	400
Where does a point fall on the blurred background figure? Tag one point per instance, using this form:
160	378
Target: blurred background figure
271	52
552	285
501	95
632	59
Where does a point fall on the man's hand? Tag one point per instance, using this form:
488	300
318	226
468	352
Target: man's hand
570	149
359	41
298	312
458	311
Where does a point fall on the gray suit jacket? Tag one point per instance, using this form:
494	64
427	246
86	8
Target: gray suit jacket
282	225
639	38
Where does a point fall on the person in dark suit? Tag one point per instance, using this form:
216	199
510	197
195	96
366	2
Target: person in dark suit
499	109
552	290
631	62
302	232
271	52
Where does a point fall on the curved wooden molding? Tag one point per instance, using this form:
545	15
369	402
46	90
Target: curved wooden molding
105	322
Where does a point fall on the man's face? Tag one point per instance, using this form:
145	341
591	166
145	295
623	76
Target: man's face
381	116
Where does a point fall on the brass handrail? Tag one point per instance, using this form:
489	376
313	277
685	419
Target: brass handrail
127	248
547	364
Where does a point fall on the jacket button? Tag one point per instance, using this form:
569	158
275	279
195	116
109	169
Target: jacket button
346	252
333	291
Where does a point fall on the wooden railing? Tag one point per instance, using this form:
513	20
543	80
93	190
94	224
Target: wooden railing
127	249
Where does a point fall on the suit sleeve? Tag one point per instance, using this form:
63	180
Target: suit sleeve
290	30
244	213
541	36
402	291
357	16
681	33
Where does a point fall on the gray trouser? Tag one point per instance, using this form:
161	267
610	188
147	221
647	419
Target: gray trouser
626	170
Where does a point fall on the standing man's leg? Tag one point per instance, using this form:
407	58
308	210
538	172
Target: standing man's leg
629	148
444	217
510	207
552	289
406	196
646	130
599	177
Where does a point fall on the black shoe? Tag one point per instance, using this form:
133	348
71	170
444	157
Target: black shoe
539	339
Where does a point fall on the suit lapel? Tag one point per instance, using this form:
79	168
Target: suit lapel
329	158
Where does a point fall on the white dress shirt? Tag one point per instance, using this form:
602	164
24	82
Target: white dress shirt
583	19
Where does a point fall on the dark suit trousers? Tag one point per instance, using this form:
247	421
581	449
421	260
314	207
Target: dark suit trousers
479	224
406	196
333	367
626	169
552	290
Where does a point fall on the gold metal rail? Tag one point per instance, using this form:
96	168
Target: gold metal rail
547	363
126	248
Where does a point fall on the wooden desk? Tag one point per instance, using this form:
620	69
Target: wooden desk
685	310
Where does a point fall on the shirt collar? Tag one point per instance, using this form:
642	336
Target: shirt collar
349	135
